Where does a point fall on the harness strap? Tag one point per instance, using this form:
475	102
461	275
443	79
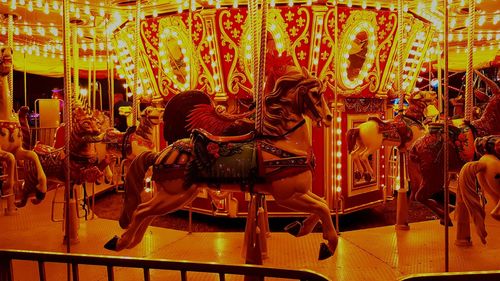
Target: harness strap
287	165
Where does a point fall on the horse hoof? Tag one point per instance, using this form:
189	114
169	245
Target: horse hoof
463	242
21	203
441	222
111	244
294	228
367	177
324	252
357	175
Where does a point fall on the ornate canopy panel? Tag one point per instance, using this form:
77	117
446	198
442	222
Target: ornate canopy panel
210	49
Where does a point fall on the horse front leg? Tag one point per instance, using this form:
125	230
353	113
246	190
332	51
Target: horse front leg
358	167
363	155
305	202
8	185
22	154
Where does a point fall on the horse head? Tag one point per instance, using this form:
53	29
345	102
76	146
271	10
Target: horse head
151	116
295	95
422	104
85	126
5	60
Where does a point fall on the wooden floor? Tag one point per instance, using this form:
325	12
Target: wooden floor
372	254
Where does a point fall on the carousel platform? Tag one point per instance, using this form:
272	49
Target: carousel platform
372	254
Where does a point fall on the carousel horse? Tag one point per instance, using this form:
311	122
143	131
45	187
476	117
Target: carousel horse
84	165
426	155
402	131
127	145
470	198
279	161
11	138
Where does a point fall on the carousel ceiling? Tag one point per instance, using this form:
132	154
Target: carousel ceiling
38	34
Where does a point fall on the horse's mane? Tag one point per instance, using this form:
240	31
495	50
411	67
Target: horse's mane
280	104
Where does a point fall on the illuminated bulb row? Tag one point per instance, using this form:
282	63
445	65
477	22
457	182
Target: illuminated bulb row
370	55
165	36
338	179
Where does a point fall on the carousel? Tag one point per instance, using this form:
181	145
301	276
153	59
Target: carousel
255	109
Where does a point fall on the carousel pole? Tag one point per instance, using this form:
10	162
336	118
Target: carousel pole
71	230
76	55
402	203
10	43
137	38
446	136
94	71
255	228
334	132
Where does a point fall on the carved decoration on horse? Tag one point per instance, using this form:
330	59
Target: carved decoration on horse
84	165
402	131
279	162
11	137
426	156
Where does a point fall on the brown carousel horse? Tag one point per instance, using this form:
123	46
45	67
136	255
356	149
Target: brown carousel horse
402	131
426	156
84	165
278	162
11	137
470	198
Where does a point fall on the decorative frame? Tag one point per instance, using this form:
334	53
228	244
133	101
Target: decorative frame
360	186
173	29
359	21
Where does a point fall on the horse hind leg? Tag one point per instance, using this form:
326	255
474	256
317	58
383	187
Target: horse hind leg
309	203
162	203
41	186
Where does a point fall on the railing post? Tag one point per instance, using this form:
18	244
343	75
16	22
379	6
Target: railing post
6	269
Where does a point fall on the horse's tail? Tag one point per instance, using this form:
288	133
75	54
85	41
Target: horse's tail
352	136
134	184
25	129
467	191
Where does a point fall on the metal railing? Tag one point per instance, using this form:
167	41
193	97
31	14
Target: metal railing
74	260
492	275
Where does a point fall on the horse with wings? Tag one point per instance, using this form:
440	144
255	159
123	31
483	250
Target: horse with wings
279	161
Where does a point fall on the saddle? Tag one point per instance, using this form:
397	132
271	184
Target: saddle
394	130
223	159
222	139
462	138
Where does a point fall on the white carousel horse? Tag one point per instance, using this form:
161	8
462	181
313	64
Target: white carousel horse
11	137
402	131
278	162
470	200
127	145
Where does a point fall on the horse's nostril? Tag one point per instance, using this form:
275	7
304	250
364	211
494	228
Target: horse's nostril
497	176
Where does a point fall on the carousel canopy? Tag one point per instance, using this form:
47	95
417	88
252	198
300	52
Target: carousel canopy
37	27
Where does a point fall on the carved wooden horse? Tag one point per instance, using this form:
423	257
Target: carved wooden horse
426	156
470	199
11	138
402	131
278	162
84	166
127	145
